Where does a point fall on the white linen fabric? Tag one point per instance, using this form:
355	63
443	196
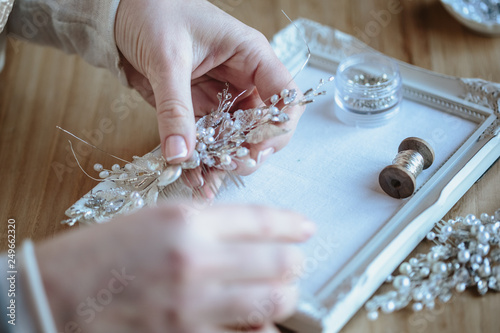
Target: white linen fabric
329	172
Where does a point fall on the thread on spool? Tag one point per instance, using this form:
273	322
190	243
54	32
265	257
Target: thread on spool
399	180
411	160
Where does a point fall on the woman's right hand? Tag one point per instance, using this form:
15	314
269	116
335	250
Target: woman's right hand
222	269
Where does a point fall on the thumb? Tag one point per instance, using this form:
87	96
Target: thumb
174	106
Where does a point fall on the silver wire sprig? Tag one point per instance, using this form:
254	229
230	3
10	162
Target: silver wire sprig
223	141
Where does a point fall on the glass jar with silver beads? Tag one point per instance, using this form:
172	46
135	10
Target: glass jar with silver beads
368	90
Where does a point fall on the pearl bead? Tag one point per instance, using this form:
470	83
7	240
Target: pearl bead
210	131
463	256
251	163
432	256
414	262
123	176
210	140
476	259
439	268
469	219
447	230
284	93
483	237
460	287
201	146
104	174
484	217
417	307
430	305
128	167
483	249
417	294
242	152
431	236
405	268
373	315
225	159
115	167
98	167
425	271
388	307
476	229
401	282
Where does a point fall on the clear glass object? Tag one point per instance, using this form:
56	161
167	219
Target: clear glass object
368	90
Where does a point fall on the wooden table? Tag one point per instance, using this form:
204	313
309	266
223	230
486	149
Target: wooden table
42	88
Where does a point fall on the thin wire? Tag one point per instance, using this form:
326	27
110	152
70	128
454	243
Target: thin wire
91	145
78	162
305	42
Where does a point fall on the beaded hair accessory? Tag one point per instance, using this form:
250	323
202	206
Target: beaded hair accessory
221	139
466	255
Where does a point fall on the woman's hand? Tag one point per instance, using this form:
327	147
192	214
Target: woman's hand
180	53
223	269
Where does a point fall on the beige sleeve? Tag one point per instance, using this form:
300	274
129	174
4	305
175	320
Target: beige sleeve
5	9
84	27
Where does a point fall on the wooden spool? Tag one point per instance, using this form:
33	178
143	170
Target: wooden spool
396	180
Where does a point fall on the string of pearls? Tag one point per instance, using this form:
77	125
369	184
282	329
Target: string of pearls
466	255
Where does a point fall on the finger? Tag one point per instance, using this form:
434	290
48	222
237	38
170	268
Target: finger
171	83
267	328
247	305
250	262
255	223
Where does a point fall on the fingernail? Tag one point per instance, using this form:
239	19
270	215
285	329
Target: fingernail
175	147
308	228
264	155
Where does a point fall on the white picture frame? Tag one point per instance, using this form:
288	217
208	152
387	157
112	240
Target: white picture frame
331	307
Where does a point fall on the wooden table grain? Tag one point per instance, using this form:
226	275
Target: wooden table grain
42	88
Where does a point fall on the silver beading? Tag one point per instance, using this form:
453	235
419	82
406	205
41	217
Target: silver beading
222	138
466	255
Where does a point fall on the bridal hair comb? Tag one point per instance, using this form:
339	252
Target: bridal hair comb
222	138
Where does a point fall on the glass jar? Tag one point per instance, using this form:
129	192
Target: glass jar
368	90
